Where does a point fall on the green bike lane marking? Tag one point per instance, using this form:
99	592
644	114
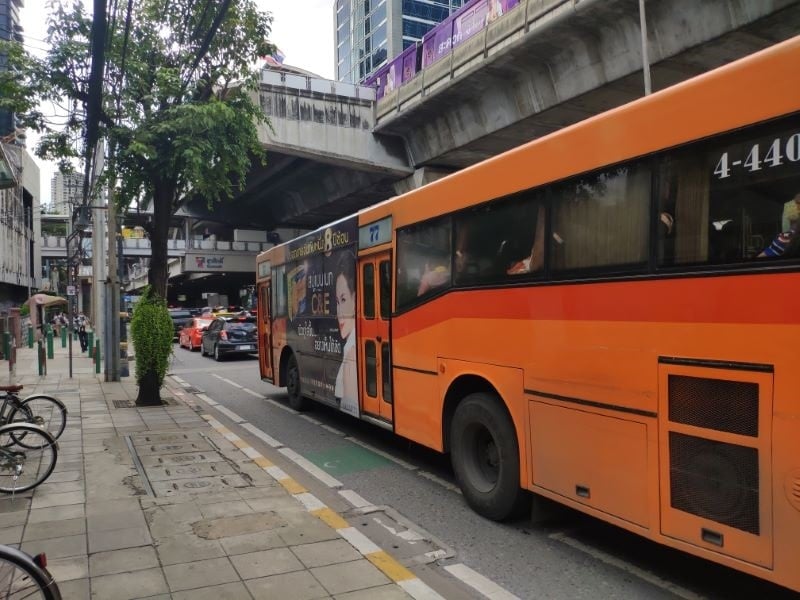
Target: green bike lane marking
350	458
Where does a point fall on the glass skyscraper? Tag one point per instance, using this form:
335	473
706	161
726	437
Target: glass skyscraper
10	30
371	32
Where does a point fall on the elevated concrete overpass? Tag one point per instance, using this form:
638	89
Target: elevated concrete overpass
333	148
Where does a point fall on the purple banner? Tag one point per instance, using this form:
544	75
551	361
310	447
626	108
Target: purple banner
399	71
466	22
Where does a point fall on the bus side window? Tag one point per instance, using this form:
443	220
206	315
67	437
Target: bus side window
424	256
734	199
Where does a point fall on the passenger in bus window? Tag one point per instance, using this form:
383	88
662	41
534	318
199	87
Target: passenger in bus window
535	260
435	274
787	243
346	387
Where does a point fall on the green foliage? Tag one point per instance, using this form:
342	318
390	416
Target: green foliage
151	332
24	310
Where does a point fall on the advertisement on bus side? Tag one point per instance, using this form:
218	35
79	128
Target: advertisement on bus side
321	291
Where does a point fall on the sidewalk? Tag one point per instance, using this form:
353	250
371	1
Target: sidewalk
210	518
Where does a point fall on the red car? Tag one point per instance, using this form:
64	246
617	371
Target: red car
192	334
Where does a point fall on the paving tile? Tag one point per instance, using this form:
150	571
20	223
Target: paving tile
116	520
125	586
251	542
16	504
116	539
299	585
61	547
187	548
49	529
67	569
227	591
11	535
307	530
13	518
49	487
55	513
384	592
60	476
320	554
266	562
77	589
112	506
122	561
201	573
348	577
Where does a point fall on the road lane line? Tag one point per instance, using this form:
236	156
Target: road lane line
627	567
478	582
282	406
311	419
442	482
228	381
271	441
252	393
354	499
382	453
331	429
311	468
230	414
207	400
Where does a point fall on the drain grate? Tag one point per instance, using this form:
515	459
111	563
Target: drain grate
132	403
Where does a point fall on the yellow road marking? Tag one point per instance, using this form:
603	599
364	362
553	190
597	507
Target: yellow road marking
333	520
292	486
393	569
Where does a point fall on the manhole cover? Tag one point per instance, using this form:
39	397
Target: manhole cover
124	404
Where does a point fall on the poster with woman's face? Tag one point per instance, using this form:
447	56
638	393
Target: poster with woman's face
321	295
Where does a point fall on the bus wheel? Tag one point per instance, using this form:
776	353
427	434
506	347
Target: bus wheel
485	457
296	400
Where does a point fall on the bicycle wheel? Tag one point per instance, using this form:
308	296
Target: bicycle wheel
21	577
23	466
45	411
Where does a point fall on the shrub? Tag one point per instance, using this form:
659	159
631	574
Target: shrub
151	332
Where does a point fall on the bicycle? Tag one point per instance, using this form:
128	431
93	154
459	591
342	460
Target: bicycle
24	576
45	411
28	455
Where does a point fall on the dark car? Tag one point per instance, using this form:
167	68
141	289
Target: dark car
230	335
180	318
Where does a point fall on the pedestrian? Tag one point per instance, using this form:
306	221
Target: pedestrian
83	337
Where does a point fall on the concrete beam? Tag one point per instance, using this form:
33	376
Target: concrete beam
551	63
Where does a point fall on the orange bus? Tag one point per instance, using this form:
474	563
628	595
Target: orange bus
608	316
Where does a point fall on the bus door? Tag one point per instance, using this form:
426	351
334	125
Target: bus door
374	355
265	329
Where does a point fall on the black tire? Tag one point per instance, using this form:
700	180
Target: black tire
202	349
22	577
217	355
296	399
42	410
485	456
31	462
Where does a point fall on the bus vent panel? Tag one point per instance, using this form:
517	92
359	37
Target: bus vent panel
715	436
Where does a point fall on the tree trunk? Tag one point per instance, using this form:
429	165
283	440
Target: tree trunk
149	385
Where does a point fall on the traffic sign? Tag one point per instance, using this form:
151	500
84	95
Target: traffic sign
70	290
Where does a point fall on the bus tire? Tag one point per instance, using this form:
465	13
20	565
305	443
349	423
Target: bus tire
485	456
296	399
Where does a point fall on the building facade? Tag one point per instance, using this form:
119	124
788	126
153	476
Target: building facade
10	30
66	192
371	32
20	229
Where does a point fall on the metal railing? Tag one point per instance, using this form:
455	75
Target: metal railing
318	85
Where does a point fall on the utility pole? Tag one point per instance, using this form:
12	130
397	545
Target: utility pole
112	292
648	89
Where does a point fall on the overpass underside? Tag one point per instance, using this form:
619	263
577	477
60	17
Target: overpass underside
333	149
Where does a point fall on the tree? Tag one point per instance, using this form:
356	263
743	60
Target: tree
177	112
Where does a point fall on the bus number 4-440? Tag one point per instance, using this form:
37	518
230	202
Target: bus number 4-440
775	154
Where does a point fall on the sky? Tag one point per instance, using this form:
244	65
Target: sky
302	29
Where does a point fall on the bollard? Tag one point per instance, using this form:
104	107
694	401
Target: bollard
7	345
90	335
50	351
63	337
30	336
97	357
40	354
